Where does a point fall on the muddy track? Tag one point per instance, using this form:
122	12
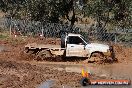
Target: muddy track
18	70
25	75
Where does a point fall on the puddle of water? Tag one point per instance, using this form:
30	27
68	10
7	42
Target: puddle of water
107	71
73	69
108	86
50	83
47	84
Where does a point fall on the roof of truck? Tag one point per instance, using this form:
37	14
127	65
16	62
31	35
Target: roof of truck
72	34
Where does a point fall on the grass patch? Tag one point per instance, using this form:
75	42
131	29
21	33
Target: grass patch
3	36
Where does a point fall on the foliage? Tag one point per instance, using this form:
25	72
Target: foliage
114	12
11	6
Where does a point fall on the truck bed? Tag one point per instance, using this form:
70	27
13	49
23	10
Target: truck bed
40	46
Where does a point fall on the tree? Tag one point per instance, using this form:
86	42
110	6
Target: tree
113	12
11	6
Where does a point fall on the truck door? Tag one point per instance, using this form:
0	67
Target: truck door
75	47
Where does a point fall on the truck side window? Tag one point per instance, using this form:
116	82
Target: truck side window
75	40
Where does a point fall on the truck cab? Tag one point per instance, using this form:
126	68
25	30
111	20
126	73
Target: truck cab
77	46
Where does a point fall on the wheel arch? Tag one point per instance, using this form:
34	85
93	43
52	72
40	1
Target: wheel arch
96	52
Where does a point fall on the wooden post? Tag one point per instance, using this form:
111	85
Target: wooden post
10	26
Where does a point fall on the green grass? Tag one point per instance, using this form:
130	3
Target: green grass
3	36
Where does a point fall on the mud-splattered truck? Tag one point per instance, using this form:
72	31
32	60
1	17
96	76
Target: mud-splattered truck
72	45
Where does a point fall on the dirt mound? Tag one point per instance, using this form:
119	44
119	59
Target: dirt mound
123	53
24	56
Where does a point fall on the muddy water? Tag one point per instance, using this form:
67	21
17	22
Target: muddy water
107	72
47	84
112	71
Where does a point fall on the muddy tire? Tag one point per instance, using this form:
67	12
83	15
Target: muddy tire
58	58
97	57
43	55
28	51
31	52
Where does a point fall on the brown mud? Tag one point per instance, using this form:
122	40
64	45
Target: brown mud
19	70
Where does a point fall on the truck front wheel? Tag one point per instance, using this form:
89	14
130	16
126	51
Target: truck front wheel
96	57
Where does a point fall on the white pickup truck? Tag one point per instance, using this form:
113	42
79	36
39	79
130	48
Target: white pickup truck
72	45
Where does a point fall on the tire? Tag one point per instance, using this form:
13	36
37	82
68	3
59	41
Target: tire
98	54
29	51
58	59
44	54
97	57
85	81
26	50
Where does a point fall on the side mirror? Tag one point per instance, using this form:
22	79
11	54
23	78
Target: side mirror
84	46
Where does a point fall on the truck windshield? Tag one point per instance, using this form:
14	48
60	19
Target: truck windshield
86	40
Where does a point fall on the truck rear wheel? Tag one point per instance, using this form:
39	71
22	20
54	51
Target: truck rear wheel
26	50
43	55
29	51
